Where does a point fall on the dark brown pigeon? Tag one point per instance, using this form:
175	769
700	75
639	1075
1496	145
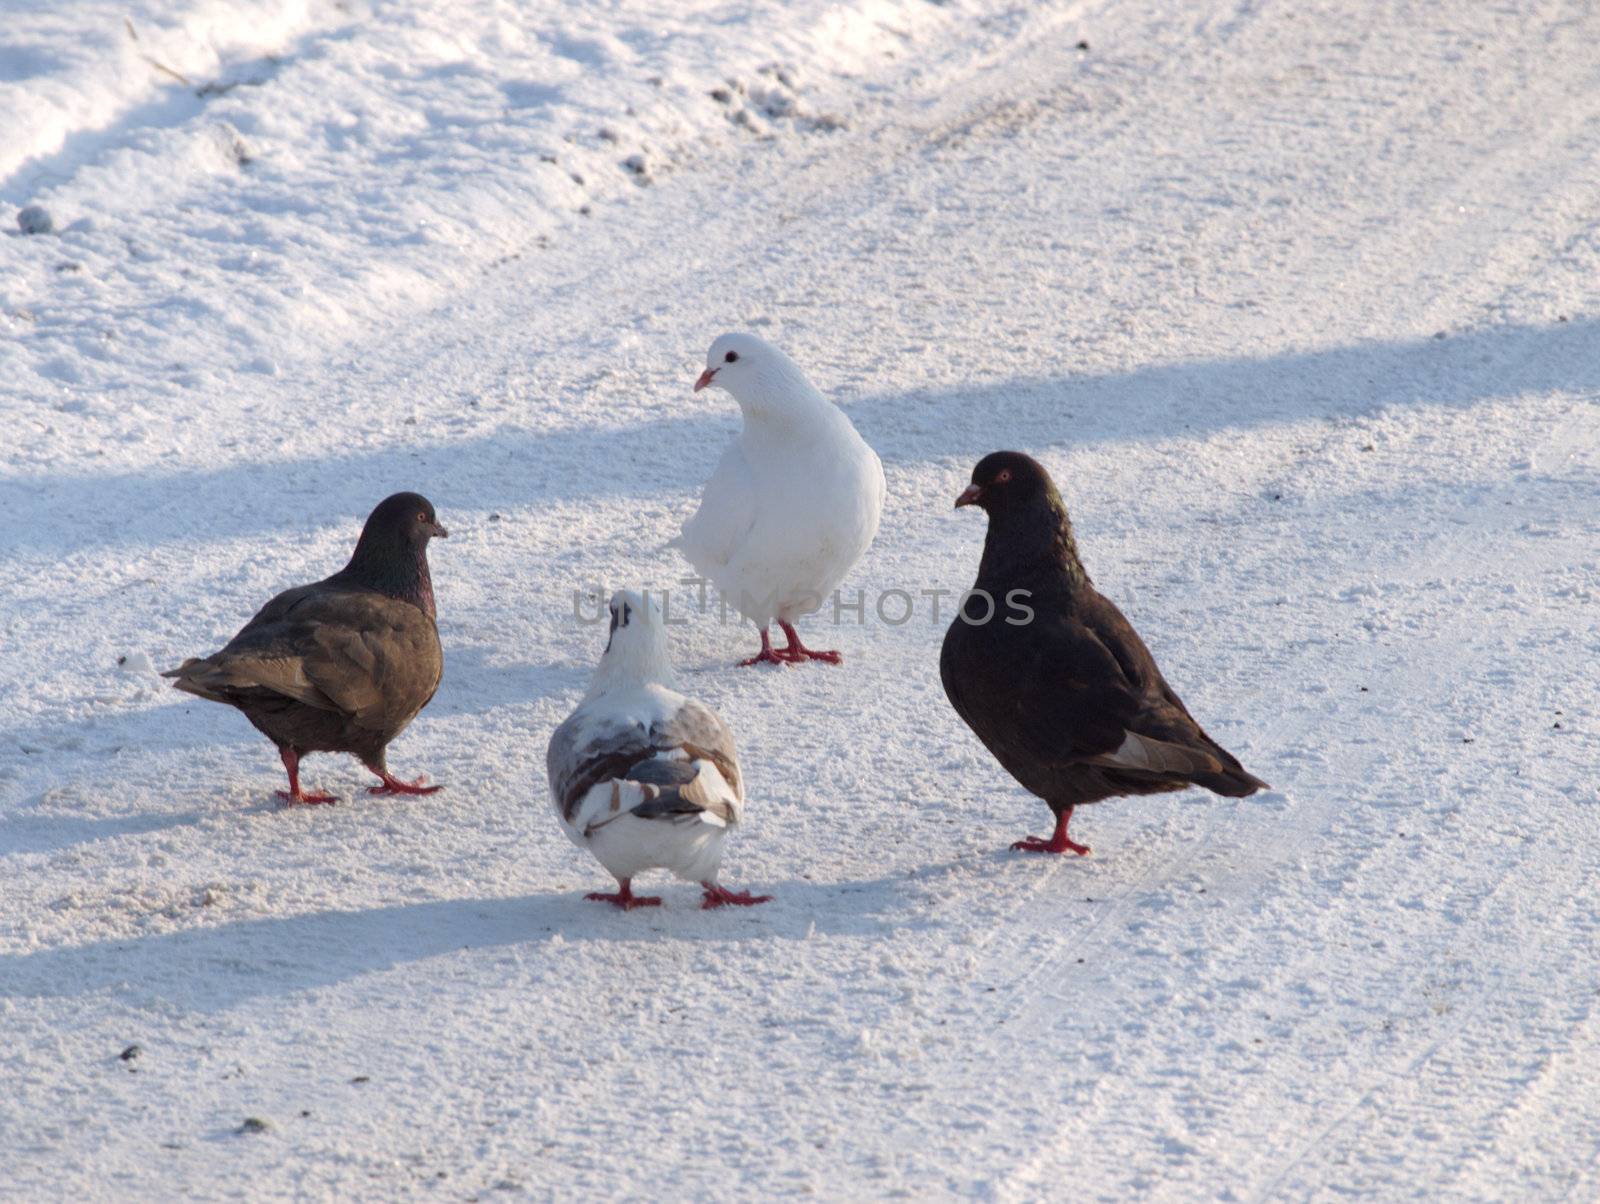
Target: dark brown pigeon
342	665
1067	697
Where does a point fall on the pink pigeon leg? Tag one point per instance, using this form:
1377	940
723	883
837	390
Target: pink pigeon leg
797	652
767	655
721	896
1058	842
624	898
294	797
393	785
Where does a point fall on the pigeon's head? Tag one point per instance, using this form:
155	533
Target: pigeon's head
392	554
636	650
1029	530
1006	481
759	376
404	519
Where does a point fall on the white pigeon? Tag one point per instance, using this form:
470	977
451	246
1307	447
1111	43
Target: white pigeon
792	504
641	776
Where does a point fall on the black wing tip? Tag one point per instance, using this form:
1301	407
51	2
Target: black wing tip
657	771
667	805
1238	784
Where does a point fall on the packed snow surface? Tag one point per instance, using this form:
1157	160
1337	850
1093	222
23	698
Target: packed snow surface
1296	301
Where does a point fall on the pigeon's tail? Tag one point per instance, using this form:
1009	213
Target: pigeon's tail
659	788
1237	783
191	677
677	793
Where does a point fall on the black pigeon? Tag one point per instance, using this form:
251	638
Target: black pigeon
342	665
1069	700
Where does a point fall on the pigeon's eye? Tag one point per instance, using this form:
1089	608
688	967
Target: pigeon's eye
422	518
1003	476
731	358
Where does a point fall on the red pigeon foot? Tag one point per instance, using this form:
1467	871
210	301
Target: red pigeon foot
296	799
769	655
1058	842
797	652
294	796
721	896
1035	844
625	898
765	657
393	785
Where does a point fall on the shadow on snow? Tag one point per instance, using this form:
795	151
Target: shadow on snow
513	467
212	969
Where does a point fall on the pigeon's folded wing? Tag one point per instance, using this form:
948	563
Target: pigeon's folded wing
714	533
685	754
590	747
267	654
1071	702
701	734
1184	747
228	678
1144	754
348	651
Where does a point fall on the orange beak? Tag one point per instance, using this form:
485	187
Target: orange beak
705	379
969	496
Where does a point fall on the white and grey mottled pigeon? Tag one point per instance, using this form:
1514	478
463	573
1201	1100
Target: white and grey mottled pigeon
792	504
641	776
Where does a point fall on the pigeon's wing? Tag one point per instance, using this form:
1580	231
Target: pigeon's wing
678	764
1159	735
590	747
364	655
713	533
1074	702
700	733
381	665
679	790
266	654
1051	693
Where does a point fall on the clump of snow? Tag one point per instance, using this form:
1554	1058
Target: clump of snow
35	219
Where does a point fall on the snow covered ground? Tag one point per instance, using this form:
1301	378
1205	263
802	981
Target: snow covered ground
1298	303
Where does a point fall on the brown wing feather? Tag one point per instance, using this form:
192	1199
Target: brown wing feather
1150	755
370	657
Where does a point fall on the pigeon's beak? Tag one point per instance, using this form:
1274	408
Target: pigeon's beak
440	532
970	496
705	379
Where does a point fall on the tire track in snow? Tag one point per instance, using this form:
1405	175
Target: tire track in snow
1548	1102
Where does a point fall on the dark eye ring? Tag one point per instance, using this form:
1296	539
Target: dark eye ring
731	358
